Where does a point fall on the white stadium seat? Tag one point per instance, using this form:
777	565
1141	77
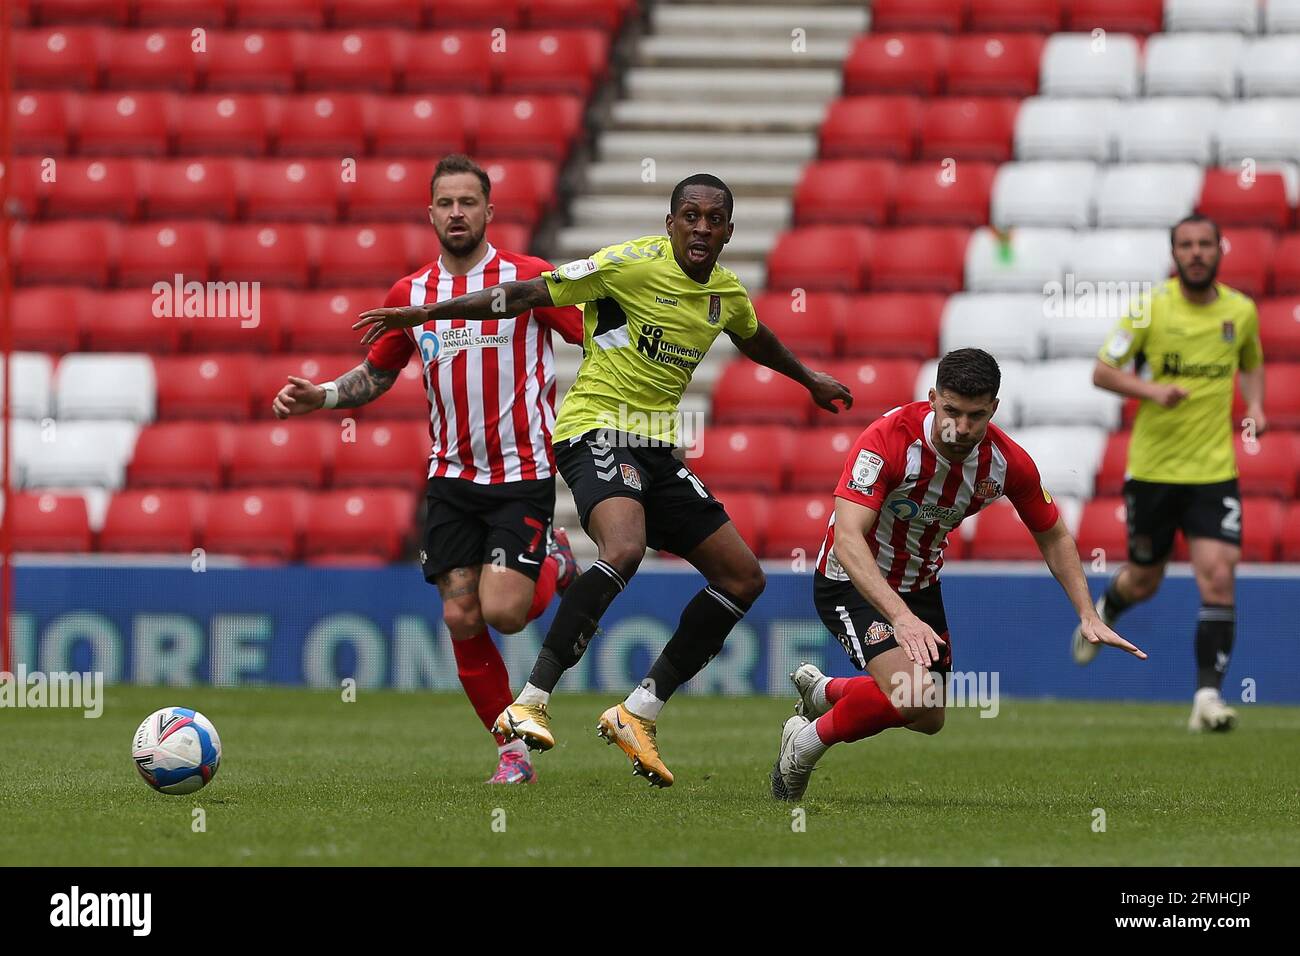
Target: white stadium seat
1076	64
24	439
1193	64
31	392
1043	194
1027	260
1262	130
1147	194
1122	255
1168	129
1240	16
1077	326
1067	456
1048	128
1282	16
79	453
1061	393
1271	67
106	386
1004	325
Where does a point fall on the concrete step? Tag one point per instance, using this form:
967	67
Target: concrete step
750	212
717	117
755	19
733	85
800	52
745	178
785	147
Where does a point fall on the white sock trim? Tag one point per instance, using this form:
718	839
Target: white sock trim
533	695
808	747
644	704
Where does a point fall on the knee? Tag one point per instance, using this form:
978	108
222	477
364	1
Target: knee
1143	584
463	617
930	722
1217	583
746	584
508	617
624	556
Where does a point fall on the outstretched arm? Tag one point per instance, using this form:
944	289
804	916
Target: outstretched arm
495	302
766	349
360	385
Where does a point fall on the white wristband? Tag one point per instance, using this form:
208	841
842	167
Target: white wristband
331	394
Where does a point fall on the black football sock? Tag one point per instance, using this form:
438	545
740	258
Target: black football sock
575	622
1216	628
705	623
1115	604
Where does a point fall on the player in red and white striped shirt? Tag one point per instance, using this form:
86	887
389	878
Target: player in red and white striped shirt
491	490
910	479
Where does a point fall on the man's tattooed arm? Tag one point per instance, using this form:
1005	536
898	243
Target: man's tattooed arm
363	384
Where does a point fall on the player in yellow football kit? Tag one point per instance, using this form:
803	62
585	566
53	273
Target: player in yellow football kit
652	307
1192	335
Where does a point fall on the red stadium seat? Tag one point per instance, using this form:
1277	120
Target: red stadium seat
151	60
944	194
280	254
1289	545
111	12
750	393
1282	404
796	525
1030	16
224	124
745	458
867	126
348	60
511	236
522	189
125	124
62	57
531	127
300	190
919	259
1279	327
607	15
819	456
475	13
1103	527
80	252
1260	530
50	318
420	125
821	259
969	128
993	64
24	185
289	453
1000	535
364	255
1114	462
903	324
809	324
250	61
243	319
263	523
302	14
1270	465
204	386
149	522
124	321
321	124
547	61
273	372
95	187
1248	257
944	15
389	190
748	511
1286	275
448	62
897	63
371	521
1231	201
198	188
855	191
47	522
159	251
42	123
388	453
322	321
181	13
377	13
1126	16
877	386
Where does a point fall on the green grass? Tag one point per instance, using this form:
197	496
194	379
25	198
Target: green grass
397	779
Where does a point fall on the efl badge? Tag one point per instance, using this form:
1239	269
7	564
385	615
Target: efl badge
715	309
574	270
1229	331
987	488
866	469
1046	497
630	477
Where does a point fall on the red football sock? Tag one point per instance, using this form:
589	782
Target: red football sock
837	687
862	711
545	589
483	674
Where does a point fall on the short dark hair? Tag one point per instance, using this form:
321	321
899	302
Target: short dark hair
970	373
702	179
460	163
1194	217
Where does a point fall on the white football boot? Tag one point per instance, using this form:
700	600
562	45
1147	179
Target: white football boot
1085	651
789	780
1209	712
807	680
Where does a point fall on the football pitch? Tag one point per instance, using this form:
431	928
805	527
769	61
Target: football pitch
396	779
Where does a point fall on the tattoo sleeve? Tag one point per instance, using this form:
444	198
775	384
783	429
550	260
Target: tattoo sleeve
495	302
363	384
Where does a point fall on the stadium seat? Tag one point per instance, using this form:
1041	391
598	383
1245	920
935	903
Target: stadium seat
748	511
204	386
293	453
1279	327
31	393
1044	194
1167	129
373	521
1262	130
448	62
522	189
364	255
947	16
419	125
820	259
919	259
1286	270
125	124
1006	326
474	13
1282	16
236	318
321	124
968	128
796	524
1066	129
1128	16
1271	67
1268	466
181	13
945	194
299	14
1240	16
84	453
105	386
1000	535
193	188
1289	541
1249	256
41	122
94	187
897	63
877	386
179	455
150	60
1072	67
1067	456
900	324
744	458
22	183
49	318
1004	64
1282	405
607	15
62	57
255	523
348	60
160	251
387	453
854	191
1114	462
1077	321
1023	260
79	252
279	254
322	321
377	13
549	61
250	61
299	190
149	522
1030	16
44	522
530	127
819	456
809	324
747	393
862	127
1193	64
1062	393
222	124
1122	255
1103	530
1231	199
1134	195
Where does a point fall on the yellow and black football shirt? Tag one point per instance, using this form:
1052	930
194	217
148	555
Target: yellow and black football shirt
1197	347
646	326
